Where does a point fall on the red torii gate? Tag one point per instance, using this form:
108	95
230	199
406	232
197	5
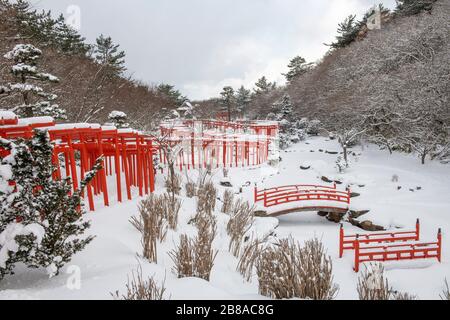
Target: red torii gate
127	151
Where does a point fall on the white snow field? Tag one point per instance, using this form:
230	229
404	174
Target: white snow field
104	265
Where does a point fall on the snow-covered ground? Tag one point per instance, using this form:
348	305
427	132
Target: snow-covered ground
425	193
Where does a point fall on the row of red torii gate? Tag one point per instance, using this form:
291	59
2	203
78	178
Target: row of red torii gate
129	155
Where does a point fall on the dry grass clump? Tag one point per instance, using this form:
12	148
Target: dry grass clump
173	184
228	200
207	196
446	292
286	270
195	257
242	217
373	285
248	258
151	224
171	209
140	289
191	189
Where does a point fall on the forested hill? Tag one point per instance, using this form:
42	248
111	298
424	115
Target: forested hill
390	85
91	81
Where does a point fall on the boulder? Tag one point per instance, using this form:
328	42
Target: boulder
369	226
322	213
356	214
325	179
354	195
335	216
260	213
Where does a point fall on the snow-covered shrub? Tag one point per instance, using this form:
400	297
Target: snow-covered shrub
314	127
286	270
119	119
151	224
302	135
341	164
41	221
302	124
139	289
242	218
207	196
228	200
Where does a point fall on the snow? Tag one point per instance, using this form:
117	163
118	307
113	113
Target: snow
7	115
7	238
105	263
35	120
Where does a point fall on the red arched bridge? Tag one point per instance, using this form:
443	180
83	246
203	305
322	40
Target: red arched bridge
297	198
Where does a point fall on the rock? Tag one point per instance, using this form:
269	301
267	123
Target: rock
412	190
305	168
354	195
226	184
419	188
320	150
332	152
357	214
335	216
399	188
361	185
338	182
325	179
312	151
322	213
369	226
260	213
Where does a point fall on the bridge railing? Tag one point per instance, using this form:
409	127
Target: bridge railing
295	193
397	252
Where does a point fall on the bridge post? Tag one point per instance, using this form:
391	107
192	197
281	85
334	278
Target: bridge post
417	230
356	268
341	241
439	245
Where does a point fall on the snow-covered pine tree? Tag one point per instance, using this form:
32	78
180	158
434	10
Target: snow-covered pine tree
107	54
347	32
412	7
243	99
41	220
297	67
228	101
283	111
263	86
119	119
35	102
170	92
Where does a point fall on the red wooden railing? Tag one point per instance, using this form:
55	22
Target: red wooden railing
295	193
397	252
347	242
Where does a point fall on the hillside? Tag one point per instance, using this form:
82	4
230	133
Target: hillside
86	91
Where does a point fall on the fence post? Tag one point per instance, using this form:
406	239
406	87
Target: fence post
439	245
341	241
256	193
357	254
417	230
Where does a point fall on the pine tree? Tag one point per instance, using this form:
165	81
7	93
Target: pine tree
68	39
243	99
297	67
35	102
283	110
173	94
347	32
263	86
40	219
228	101
119	119
108	55
412	7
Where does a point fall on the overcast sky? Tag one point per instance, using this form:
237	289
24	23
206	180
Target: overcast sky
202	45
